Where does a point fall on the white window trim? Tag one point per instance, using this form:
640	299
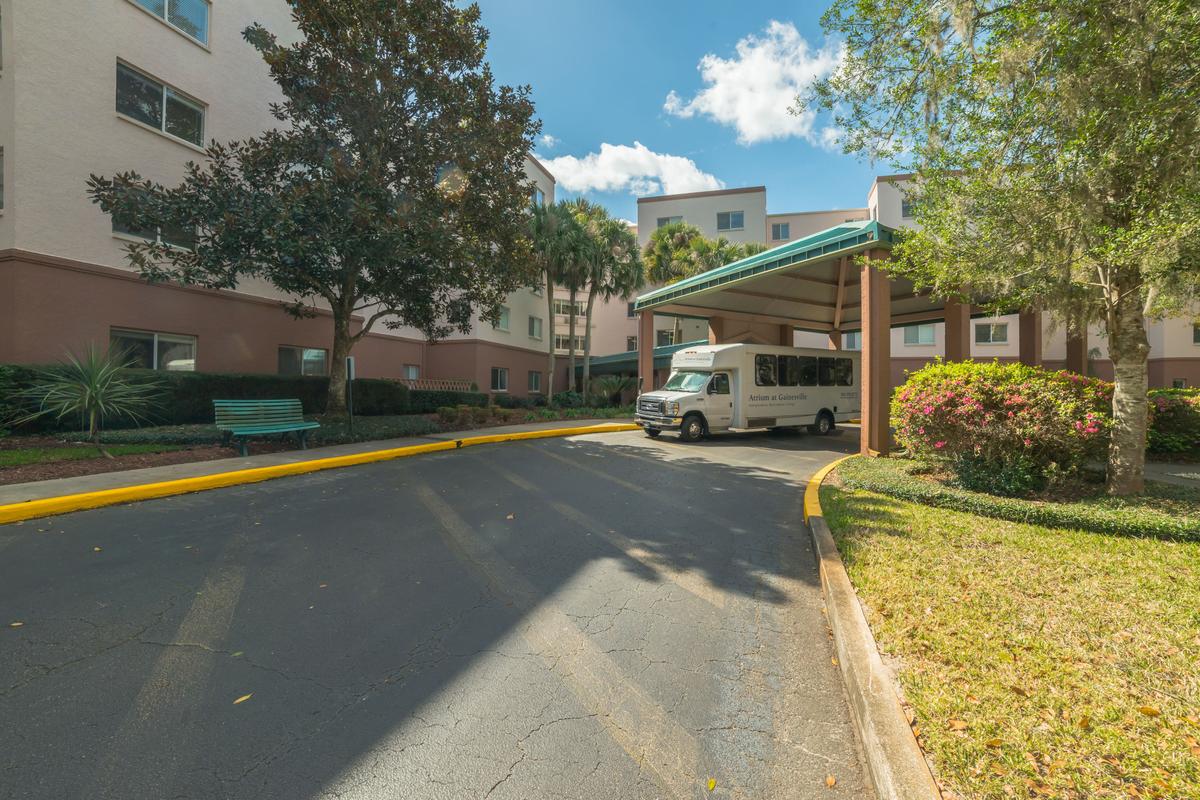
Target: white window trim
503	371
542	326
166	87
194	341
507	328
990	343
177	29
741	227
781	226
529	389
919	343
302	348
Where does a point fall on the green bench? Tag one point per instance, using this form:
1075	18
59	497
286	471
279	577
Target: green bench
238	419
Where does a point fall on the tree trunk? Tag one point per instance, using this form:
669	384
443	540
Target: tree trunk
335	400
548	332
571	343
587	343
1129	349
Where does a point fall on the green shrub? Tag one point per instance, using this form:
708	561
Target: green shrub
1171	511
1175	421
567	399
1002	428
428	401
447	415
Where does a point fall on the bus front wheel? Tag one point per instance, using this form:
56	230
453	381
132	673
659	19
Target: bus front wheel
653	433
692	428
824	424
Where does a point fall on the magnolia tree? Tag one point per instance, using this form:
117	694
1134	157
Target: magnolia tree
1056	148
393	191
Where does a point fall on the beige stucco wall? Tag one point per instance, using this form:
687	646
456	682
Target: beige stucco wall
7	130
701	209
804	223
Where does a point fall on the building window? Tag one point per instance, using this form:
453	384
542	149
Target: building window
918	334
411	372
1	178
537	197
852	340
563	307
991	333
188	16
562	342
535	381
147	350
146	100
501	323
303	361
629	307
731	220
781	231
1179	383
630	344
664	338
1196	333
535	327
499	379
906	208
664	221
176	237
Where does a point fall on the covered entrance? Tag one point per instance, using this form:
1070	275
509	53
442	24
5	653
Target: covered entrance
814	284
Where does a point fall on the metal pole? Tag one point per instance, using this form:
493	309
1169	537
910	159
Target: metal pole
350	393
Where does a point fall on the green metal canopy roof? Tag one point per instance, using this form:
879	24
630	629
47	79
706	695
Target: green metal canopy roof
617	363
811	284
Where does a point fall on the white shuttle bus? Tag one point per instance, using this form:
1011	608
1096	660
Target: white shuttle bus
735	387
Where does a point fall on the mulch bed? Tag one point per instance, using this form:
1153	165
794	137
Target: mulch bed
27	473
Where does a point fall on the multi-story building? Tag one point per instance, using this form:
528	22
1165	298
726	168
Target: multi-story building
102	87
1175	343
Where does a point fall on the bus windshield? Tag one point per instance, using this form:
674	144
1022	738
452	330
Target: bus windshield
687	381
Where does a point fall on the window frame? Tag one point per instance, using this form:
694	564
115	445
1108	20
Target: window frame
499	375
662	222
729	226
178	338
165	90
852	336
504	320
769	361
781	227
920	326
991	328
165	19
670	335
631	340
303	350
533	386
540	326
404	372
566	337
1196	333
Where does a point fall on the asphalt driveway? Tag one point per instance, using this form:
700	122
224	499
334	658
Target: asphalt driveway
595	617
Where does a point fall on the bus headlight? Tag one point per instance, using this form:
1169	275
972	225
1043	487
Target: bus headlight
673	408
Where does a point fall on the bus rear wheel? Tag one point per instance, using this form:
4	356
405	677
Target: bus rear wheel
692	428
824	424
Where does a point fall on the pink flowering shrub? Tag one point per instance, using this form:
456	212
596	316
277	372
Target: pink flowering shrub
1175	421
1002	427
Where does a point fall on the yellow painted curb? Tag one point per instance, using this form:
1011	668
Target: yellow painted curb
49	506
812	493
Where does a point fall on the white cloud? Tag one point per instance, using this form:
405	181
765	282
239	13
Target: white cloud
547	141
637	170
753	90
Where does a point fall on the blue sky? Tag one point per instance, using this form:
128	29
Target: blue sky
633	90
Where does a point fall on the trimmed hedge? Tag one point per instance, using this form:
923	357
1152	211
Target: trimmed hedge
1164	510
1175	427
187	396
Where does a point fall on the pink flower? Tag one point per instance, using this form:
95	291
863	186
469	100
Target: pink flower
939	445
928	409
1029	443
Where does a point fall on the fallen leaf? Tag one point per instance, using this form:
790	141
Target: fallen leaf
712	782
957	725
994	742
834	661
16	624
243	698
1149	711
95	549
514	516
1020	691
1085	722
830	781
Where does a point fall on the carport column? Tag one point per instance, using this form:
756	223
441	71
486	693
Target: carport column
876	298
958	331
1029	332
716	330
787	335
645	342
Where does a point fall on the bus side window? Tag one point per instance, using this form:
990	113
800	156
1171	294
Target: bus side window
808	370
825	370
789	372
845	372
764	370
720	384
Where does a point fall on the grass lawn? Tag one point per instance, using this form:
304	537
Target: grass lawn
45	455
1040	662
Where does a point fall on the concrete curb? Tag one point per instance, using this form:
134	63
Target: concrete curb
894	759
49	506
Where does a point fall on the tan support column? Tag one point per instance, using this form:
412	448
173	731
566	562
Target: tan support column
1077	347
876	299
645	341
1029	330
958	331
835	340
716	330
787	335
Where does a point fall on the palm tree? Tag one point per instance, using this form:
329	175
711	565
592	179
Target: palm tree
556	241
588	272
668	254
623	275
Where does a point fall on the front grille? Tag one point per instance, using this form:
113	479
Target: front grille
650	406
